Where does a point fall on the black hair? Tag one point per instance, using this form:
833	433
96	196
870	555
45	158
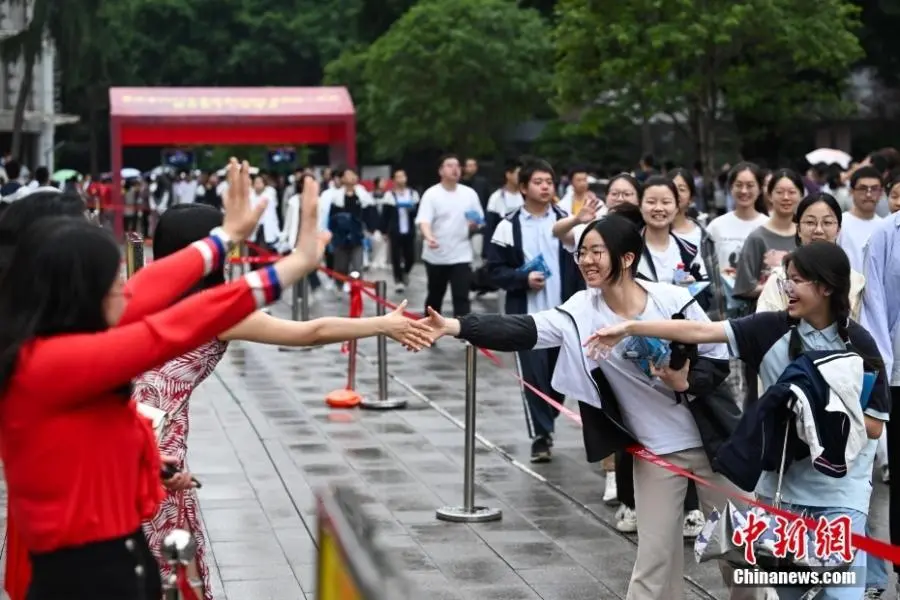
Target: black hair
578	169
621	237
879	162
789	174
867	172
58	276
892	179
649	161
42	175
445	157
397	170
760	203
511	165
630	211
657	181
13	169
687	176
630	179
184	224
812	199
25	212
827	264
833	176
534	166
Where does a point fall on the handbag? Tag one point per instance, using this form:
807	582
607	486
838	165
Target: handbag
716	540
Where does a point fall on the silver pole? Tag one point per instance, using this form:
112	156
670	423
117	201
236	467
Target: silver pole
245	253
469	513
295	302
469	451
305	291
383	402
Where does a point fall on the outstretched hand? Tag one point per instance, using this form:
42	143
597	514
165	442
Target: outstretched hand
589	209
412	334
436	323
241	218
601	342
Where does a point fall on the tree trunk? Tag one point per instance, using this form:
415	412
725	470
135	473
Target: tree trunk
22	103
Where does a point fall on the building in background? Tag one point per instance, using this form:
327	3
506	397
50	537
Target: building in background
42	113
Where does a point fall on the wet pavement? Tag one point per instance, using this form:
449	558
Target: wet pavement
263	441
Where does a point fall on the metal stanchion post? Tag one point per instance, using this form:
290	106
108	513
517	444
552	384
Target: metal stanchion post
383	402
134	253
468	512
295	301
304	299
179	549
245	253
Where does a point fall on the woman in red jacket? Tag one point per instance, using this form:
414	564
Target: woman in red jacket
81	465
18	217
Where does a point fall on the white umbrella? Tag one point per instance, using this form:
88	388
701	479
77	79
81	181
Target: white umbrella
829	156
129	173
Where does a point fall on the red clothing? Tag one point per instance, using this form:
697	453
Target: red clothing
81	464
18	563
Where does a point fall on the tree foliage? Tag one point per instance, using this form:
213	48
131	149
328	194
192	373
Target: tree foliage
449	73
699	61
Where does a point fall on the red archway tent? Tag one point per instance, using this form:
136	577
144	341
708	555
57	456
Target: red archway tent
217	116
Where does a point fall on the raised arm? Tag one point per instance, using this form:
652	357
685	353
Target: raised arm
684	331
563	228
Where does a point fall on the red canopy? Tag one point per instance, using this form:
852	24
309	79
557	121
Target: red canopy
218	116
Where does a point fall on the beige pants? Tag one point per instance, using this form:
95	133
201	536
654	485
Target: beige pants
659	500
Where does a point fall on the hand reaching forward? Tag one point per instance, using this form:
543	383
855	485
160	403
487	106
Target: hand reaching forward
599	344
439	325
414	335
240	218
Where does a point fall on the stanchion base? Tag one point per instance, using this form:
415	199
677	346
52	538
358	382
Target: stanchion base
343	399
387	404
458	514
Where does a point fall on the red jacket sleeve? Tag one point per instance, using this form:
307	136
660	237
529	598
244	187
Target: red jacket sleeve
73	369
164	281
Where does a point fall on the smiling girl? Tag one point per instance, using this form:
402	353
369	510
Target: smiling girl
817	318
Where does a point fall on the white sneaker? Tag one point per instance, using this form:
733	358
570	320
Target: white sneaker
885	474
400	288
611	492
693	524
626	520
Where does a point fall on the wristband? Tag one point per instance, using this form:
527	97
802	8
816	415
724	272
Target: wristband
224	239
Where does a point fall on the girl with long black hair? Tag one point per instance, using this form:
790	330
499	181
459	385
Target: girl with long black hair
82	466
623	401
817	319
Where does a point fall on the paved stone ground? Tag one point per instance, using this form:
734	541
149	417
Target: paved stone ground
263	441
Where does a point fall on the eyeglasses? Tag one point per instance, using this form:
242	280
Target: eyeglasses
621	194
595	253
744	186
875	190
788	286
812	224
788	192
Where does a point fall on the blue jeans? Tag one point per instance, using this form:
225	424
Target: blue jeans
858	522
876	569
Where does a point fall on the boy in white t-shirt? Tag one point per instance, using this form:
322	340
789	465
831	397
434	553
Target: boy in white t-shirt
448	213
858	223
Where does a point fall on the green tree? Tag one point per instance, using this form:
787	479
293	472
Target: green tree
63	24
699	61
449	74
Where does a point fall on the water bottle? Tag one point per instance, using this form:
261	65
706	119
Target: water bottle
680	275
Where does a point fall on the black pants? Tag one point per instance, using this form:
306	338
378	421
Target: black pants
893	444
625	484
97	571
536	367
459	276
403	255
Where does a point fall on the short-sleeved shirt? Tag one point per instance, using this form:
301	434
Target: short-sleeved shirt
762	341
445	210
763	251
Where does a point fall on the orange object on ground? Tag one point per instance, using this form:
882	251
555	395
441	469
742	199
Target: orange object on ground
343	398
